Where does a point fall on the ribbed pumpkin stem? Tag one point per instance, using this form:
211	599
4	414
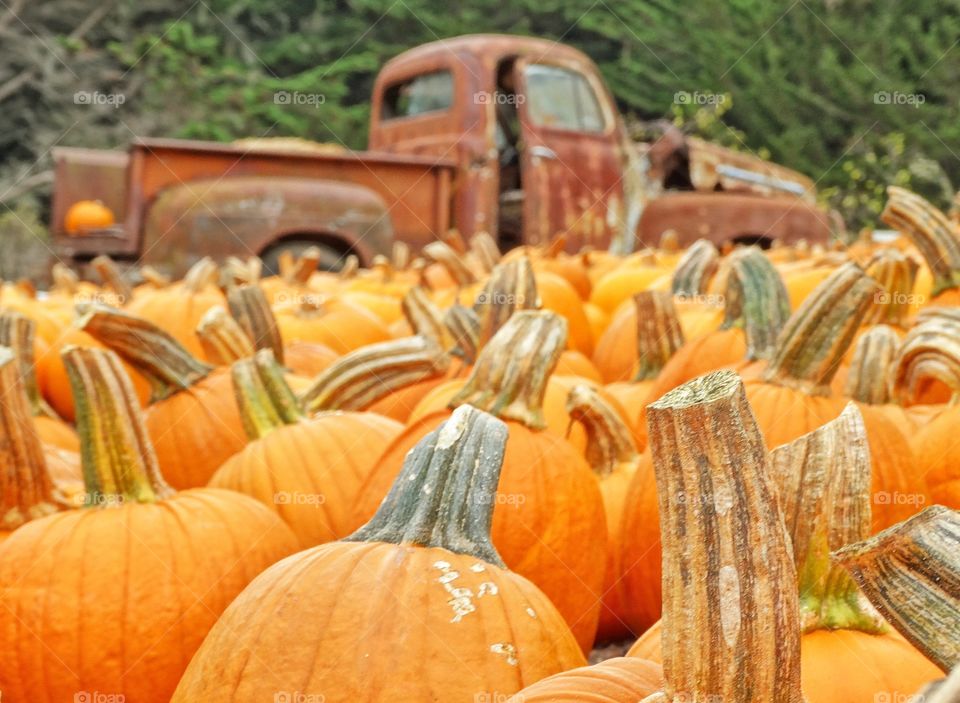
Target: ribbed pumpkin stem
18	332
511	287
824	485
816	337
609	441
161	359
897	274
153	277
107	269
483	249
756	301
26	491
424	317
931	349
263	396
222	339
658	332
931	232
400	255
731	628
695	269
446	256
201	274
249	307
911	573
868	380
304	267
446	491
464	327
510	377
365	375
65	280
119	462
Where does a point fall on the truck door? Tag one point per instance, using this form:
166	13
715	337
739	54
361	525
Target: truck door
572	156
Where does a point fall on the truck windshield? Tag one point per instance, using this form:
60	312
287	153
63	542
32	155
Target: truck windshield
561	98
430	92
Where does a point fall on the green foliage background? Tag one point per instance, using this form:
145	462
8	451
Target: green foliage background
800	77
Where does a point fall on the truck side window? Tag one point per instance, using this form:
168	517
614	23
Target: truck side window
561	98
430	92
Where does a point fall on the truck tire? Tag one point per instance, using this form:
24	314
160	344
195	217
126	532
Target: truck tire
330	259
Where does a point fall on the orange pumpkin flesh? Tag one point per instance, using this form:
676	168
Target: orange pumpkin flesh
422	570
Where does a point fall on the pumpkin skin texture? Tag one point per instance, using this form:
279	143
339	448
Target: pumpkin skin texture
937	449
885	665
328	457
640	564
548	523
618	680
166	572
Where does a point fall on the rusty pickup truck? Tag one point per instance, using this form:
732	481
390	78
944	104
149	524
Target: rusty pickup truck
514	136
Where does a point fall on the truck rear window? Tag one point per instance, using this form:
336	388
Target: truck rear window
563	99
430	92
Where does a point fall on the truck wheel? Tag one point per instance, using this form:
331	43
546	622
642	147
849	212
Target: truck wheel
330	258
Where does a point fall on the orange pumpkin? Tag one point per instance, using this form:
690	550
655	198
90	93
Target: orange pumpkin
85	215
134	580
307	470
619	680
427	560
549	523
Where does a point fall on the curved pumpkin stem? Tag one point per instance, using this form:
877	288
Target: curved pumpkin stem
26	490
107	269
609	441
445	493
222	339
65	280
263	396
658	332
200	275
695	269
897	275
19	332
868	380
730	611
510	377
161	359
755	300
303	267
511	287
249	307
361	378
931	349
911	573
484	250
453	262
119	462
424	317
930	231
816	337
153	277
464	327
824	486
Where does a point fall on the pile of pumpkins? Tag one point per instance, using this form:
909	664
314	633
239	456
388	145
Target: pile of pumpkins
453	477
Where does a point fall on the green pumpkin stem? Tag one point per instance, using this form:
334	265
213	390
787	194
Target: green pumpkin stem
868	379
897	274
510	377
730	609
222	339
658	333
817	336
930	350
19	332
756	301
424	317
161	359
930	231
609	441
110	274
119	462
911	573
464	327
263	396
823	480
249	307
26	490
446	491
359	379
511	287
695	269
